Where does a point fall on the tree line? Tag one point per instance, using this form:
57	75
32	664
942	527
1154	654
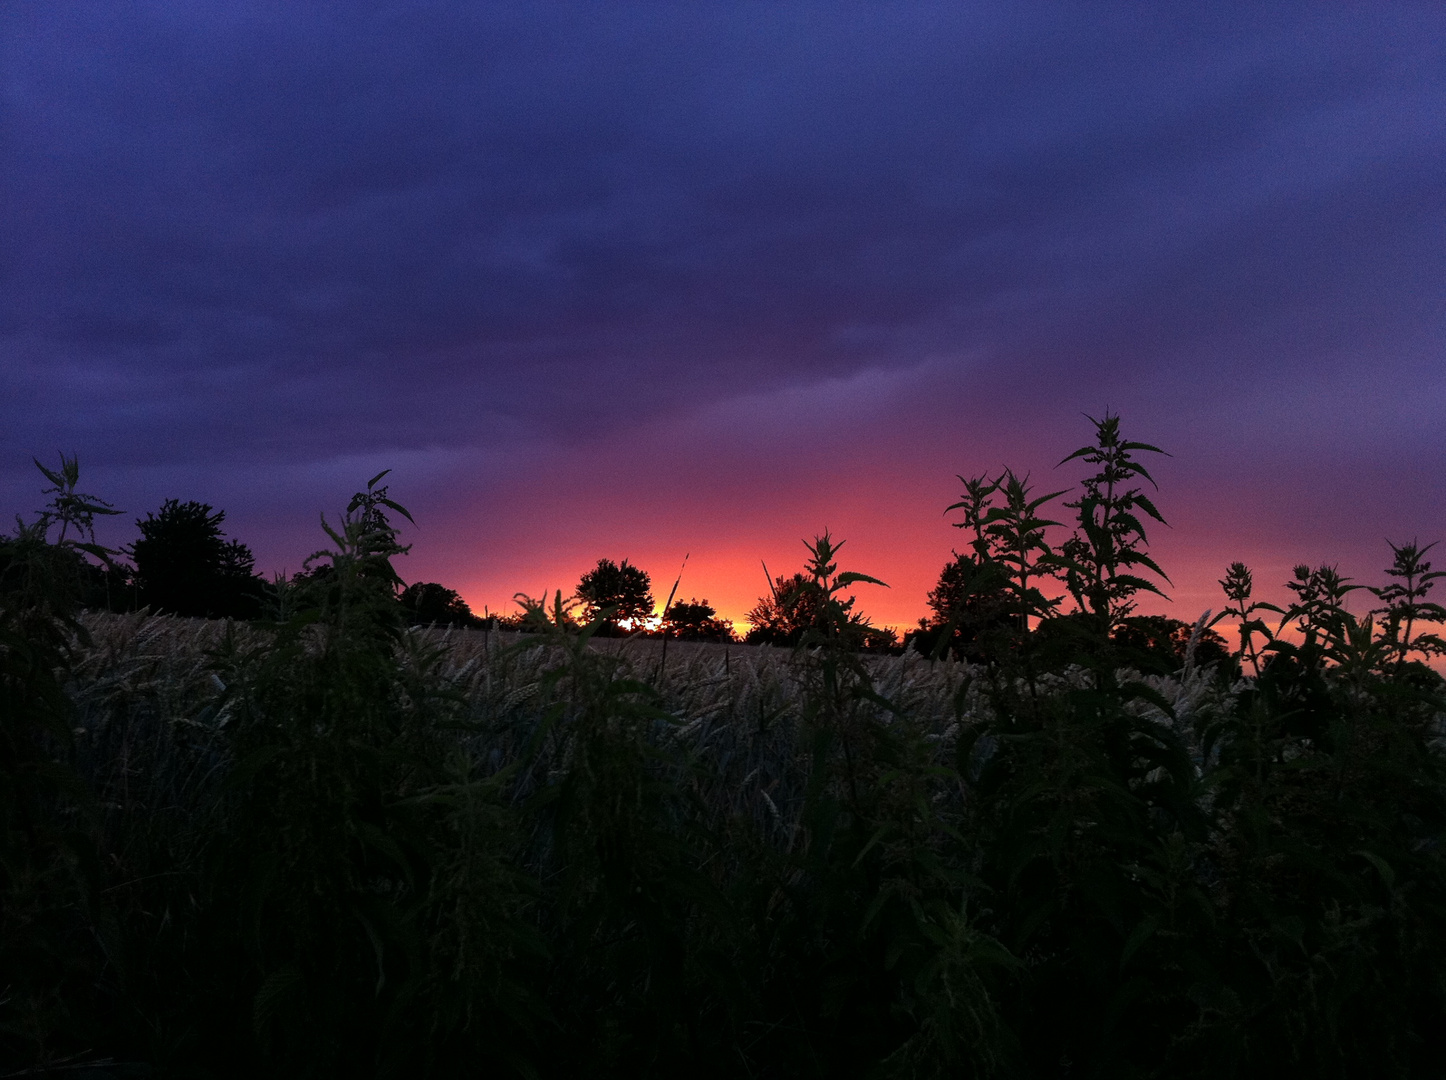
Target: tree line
183	563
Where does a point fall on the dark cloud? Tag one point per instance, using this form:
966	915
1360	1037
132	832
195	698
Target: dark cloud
271	234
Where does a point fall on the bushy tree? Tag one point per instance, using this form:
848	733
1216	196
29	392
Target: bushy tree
429	604
617	592
811	600
881	639
970	609
781	617
186	566
696	620
1163	642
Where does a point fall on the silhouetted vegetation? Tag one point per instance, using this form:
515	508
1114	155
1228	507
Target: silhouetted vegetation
430	604
1070	841
696	620
1157	643
184	565
614	593
969	610
782	617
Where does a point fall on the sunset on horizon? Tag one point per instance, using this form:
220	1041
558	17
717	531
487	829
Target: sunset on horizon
652	281
742	540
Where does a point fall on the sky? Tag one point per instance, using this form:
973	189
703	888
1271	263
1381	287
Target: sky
656	280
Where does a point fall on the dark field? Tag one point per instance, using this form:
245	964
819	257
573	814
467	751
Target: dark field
327	844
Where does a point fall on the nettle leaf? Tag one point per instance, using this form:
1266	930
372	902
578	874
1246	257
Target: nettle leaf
850	577
1125	583
1141	559
1145	504
390	505
55	478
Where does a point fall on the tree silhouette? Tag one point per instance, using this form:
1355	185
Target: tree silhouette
617	591
696	620
1165	642
185	566
430	604
971	608
781	617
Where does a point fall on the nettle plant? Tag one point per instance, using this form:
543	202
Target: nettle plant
53	963
1100	566
1011	552
1316	631
1239	586
839	687
1406	607
1101	563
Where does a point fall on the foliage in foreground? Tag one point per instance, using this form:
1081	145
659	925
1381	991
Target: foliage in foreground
332	845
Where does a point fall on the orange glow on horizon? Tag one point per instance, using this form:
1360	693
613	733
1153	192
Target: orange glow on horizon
655	498
733	582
